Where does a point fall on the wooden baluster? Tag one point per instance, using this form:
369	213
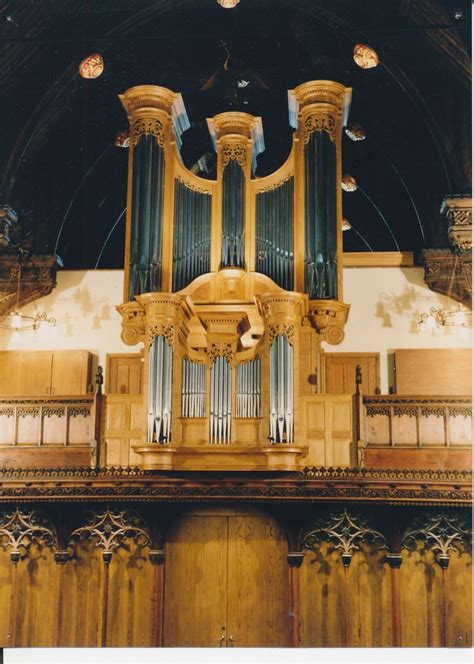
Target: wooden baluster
97	415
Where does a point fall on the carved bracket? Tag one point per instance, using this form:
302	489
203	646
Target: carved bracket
449	274
328	317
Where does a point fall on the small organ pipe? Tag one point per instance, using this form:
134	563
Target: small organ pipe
281	390
220	410
160	391
248	389
193	389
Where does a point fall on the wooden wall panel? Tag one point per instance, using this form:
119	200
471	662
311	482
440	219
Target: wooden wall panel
123	428
421	605
70	372
8	373
258	601
195	593
369	595
81	598
434	371
322	598
36	601
459	600
6	570
130	598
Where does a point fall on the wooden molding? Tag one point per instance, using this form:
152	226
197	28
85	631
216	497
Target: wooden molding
378	259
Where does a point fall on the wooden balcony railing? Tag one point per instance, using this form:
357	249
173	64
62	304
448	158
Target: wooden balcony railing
49	431
438	429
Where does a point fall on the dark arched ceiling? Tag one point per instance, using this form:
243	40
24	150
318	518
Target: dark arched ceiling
60	168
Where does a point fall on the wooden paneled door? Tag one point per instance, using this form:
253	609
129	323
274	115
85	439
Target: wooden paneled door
124	373
226	582
340	371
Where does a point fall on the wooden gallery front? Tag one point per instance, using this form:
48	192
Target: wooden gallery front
222	491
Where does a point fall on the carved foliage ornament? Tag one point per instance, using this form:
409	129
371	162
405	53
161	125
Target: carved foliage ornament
442	533
148	125
110	529
346	532
236	151
287	330
160	330
220	350
319	121
19	529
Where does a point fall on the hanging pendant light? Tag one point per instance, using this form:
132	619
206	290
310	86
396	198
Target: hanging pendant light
122	139
365	57
348	183
228	4
92	66
356	132
346	225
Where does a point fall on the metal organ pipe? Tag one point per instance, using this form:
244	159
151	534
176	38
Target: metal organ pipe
193	389
281	390
159	391
220	411
192	234
248	389
274	234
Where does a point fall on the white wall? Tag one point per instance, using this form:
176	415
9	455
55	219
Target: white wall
386	304
83	304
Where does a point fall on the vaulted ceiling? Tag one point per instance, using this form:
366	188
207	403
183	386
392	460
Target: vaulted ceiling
62	173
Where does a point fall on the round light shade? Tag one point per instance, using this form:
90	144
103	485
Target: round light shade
356	132
346	225
92	66
228	4
122	139
365	56
348	183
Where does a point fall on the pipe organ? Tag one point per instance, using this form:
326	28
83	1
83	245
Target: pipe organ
232	284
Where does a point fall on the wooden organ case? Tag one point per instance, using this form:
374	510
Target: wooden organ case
232	284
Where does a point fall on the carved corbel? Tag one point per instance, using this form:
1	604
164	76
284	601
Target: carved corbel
328	318
133	322
457	211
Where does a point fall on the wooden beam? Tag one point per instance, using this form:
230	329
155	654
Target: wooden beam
378	259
